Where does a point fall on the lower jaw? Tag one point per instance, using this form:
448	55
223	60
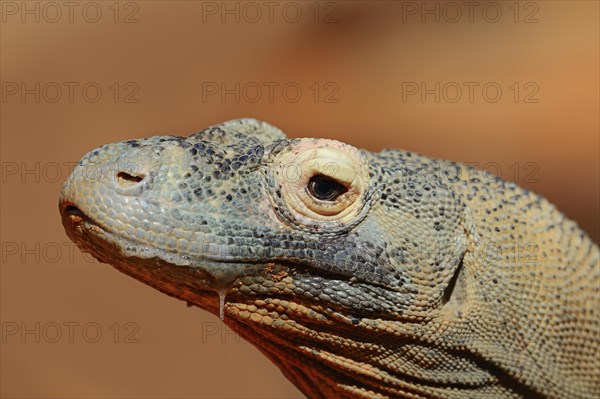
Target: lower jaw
201	283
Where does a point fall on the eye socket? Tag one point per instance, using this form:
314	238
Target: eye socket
325	188
319	184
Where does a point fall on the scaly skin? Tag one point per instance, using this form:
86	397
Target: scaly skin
418	278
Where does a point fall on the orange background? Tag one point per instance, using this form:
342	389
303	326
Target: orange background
365	52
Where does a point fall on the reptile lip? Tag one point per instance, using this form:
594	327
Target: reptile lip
76	216
222	271
74	219
71	212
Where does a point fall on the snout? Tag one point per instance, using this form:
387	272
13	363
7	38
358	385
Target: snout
108	181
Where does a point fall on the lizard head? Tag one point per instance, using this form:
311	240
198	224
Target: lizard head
301	234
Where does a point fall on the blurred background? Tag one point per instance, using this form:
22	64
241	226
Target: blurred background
509	87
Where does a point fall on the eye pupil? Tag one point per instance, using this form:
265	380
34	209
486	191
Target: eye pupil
325	188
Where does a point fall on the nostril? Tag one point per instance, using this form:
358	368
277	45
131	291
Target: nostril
126	177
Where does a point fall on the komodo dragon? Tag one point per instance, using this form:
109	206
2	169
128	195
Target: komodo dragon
359	274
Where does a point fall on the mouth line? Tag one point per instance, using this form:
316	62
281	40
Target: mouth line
75	215
195	276
129	247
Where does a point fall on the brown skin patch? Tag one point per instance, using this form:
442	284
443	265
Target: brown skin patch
269	267
280	276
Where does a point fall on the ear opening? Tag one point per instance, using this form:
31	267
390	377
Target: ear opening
455	292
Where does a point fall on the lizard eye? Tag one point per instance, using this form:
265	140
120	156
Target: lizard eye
320	182
325	188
